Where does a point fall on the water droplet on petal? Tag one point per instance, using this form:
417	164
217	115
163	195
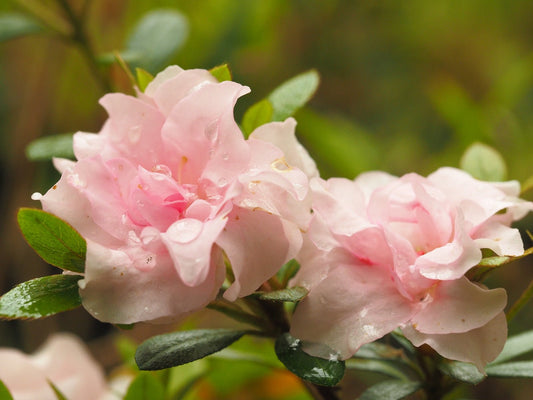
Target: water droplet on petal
36	196
134	134
211	131
222	182
76	181
185	230
225	156
280	165
162	172
124	218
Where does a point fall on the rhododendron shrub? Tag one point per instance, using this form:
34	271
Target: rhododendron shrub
169	188
384	252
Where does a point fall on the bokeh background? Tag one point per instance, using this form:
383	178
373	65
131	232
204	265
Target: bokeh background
405	86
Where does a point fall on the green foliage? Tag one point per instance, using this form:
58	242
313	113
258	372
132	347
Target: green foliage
221	72
156	37
47	147
484	163
293	294
4	392
313	369
57	392
390	390
53	239
287	272
177	348
293	94
517	369
13	25
145	387
464	372
41	297
143	78
258	114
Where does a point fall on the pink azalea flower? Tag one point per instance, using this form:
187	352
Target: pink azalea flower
63	360
168	188
384	252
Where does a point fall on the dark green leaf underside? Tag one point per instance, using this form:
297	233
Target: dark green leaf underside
390	390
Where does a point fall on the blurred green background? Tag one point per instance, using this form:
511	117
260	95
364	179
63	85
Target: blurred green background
405	86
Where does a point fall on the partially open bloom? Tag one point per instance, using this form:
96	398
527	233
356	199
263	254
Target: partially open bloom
386	252
63	360
169	188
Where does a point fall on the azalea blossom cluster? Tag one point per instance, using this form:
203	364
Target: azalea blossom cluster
169	194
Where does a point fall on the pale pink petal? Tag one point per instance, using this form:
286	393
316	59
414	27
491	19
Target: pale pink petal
113	290
282	135
89	144
356	304
458	306
163	76
62	164
478	346
167	90
203	137
454	259
368	182
257	245
500	238
189	243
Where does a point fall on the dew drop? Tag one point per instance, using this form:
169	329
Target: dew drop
185	230
36	196
280	165
222	182
134	134
211	131
295	343
162	172
225	156
124	218
76	181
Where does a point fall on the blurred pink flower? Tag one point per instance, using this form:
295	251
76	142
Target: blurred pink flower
167	187
384	252
63	360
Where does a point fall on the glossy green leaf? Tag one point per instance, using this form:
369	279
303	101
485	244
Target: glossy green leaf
41	297
258	114
53	239
4	392
47	147
292	294
464	372
221	72
483	162
515	346
517	369
57	392
13	25
177	348
143	78
313	369
390	390
145	387
156	37
291	95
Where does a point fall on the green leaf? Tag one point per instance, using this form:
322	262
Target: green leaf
258	114
527	185
291	95
484	163
41	297
4	392
183	378
390	390
221	72
57	392
145	387
515	346
384	367
288	271
177	348
156	37
517	369
13	25
47	147
53	239
313	369
143	78
461	371
292	294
